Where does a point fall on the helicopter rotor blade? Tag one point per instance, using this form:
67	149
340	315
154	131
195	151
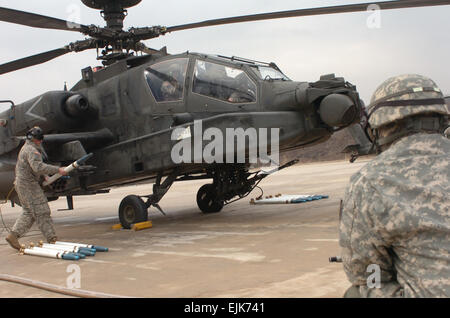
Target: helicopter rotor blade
38	21
32	60
384	5
46	56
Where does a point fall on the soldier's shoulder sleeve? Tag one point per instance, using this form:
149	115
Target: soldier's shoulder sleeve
39	167
22	153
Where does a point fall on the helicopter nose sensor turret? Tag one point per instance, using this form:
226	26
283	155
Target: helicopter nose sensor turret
337	110
335	100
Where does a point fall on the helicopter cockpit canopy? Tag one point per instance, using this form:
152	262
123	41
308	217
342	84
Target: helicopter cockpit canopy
166	79
223	82
270	73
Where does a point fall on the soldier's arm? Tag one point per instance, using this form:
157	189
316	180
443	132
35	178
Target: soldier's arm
38	166
365	245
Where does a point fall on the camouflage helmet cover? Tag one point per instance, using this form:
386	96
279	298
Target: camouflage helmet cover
397	91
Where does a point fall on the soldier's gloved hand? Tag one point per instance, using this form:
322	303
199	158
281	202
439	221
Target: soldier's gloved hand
62	172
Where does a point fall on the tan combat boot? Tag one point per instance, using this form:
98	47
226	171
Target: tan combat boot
52	240
13	241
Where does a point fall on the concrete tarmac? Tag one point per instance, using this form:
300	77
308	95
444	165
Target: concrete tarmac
243	251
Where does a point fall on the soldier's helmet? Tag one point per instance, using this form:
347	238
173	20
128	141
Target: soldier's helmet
35	133
403	96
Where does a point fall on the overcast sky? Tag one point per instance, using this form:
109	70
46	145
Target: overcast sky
405	41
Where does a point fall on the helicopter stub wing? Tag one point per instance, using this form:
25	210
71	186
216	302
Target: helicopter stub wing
71	146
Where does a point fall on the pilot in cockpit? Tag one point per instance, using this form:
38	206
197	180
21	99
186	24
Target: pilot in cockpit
172	86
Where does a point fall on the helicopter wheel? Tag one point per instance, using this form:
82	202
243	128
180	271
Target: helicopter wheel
132	210
207	199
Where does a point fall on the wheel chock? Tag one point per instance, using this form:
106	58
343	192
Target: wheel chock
117	226
142	225
135	226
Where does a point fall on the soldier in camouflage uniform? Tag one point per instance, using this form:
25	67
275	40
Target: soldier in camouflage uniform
29	169
396	211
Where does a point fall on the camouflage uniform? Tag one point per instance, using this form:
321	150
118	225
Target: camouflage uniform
396	215
396	210
34	203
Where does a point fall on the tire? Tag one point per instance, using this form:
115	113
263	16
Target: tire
132	210
207	199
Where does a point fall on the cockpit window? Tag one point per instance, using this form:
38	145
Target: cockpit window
166	79
269	73
222	82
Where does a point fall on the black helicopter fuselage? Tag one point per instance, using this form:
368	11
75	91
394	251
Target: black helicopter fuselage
124	115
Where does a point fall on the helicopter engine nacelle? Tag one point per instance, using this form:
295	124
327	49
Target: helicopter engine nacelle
54	111
337	110
76	106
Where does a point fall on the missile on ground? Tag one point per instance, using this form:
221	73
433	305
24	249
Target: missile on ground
39	251
69	249
96	247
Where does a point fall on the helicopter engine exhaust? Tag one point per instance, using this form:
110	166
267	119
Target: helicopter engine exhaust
337	110
76	106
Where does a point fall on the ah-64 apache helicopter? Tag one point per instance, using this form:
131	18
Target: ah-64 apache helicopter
126	112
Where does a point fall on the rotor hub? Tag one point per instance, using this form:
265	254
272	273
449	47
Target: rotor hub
112	10
102	4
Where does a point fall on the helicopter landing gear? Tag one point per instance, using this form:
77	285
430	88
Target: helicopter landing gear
133	209
207	199
229	182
